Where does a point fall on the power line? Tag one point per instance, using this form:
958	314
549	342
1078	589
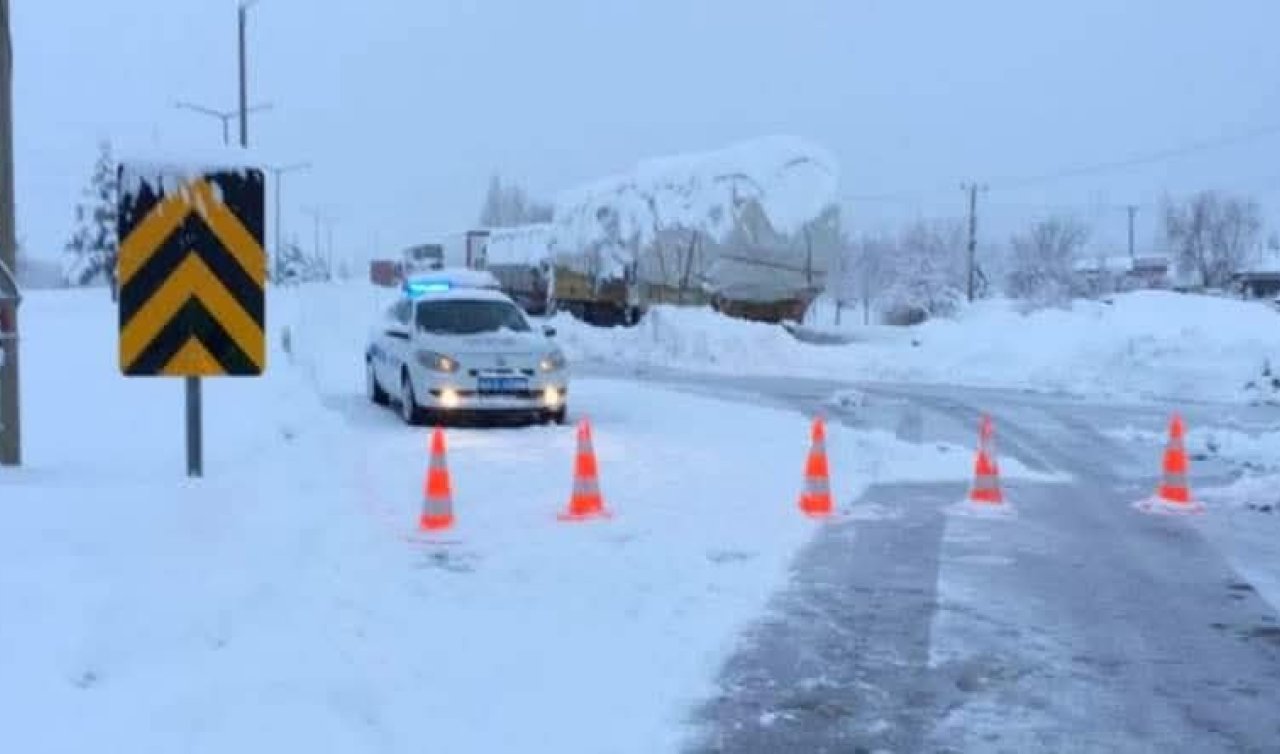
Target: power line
1147	158
1143	159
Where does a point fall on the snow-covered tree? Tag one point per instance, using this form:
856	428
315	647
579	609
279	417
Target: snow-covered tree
861	272
1042	265
295	266
1212	235
508	206
929	271
90	255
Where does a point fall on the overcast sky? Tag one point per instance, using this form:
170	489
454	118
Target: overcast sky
407	106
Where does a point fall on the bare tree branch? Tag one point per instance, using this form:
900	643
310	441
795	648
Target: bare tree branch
1212	235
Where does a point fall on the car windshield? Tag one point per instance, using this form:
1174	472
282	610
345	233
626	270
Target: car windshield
462	317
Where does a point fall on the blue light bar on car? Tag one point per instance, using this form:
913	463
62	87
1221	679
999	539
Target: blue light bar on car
417	288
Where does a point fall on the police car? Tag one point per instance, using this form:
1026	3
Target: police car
453	343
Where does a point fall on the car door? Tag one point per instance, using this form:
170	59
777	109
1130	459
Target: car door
400	338
393	344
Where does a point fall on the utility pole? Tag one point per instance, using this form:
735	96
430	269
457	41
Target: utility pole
315	215
1133	210
329	254
973	190
278	173
242	18
10	407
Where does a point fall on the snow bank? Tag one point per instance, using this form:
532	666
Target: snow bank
696	338
1259	493
1146	345
1253	451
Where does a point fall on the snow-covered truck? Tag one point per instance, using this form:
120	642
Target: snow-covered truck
419	258
750	227
524	261
520	258
465	249
423	257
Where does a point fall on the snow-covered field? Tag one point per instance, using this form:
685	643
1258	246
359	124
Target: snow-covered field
1144	345
279	603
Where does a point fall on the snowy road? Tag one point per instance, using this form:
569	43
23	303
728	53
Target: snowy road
277	600
1078	625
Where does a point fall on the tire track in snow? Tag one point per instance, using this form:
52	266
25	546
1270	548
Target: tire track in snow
1079	625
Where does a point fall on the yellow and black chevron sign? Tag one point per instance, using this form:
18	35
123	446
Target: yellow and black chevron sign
191	273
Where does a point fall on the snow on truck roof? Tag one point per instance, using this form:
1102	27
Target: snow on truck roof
523	245
793	181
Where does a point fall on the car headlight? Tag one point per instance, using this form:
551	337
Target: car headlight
552	362
437	362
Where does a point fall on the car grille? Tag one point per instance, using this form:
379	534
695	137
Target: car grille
523	394
525	372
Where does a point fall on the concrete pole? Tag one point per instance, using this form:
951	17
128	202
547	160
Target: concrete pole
10	406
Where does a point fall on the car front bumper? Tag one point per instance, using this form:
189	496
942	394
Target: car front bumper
546	395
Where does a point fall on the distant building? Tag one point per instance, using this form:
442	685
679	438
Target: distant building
1260	280
1103	275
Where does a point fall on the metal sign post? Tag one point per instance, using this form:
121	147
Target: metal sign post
195	429
192	272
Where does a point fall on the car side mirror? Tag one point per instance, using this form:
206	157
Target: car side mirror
548	331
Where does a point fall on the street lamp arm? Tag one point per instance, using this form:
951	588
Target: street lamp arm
201	109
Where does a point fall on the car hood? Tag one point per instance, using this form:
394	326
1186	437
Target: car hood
506	343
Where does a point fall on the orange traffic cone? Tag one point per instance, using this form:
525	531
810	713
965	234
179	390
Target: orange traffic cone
1174	494
986	473
815	496
587	502
437	493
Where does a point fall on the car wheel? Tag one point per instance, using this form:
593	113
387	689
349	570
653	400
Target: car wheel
409	409
561	415
376	394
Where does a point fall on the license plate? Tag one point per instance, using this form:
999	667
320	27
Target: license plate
503	384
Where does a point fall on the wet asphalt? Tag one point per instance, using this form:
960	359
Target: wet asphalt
1077	624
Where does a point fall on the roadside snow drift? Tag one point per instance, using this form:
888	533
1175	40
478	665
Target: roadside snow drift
1145	345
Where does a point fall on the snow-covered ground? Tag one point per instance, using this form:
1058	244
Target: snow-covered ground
1252	451
1144	345
278	602
1243	515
